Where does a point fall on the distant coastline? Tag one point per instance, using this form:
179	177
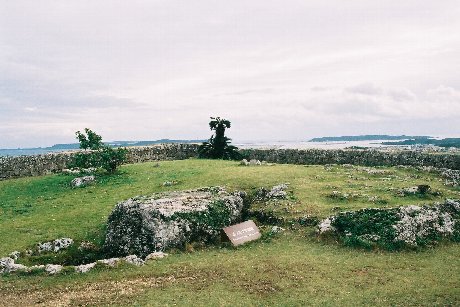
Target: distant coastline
448	142
367	137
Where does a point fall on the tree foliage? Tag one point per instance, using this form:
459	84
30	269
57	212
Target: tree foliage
91	140
100	155
218	146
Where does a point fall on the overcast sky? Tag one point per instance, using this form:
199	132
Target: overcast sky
278	70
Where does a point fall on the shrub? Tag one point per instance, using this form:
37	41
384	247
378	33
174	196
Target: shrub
99	155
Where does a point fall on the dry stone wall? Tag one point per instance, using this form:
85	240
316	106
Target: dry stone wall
357	157
23	166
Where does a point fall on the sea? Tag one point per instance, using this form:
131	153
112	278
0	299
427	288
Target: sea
312	145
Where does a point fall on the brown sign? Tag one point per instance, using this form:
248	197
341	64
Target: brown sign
242	233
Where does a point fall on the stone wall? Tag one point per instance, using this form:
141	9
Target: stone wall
358	157
23	166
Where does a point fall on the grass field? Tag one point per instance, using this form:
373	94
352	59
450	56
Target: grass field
292	268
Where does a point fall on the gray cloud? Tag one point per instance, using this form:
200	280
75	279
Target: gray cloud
153	69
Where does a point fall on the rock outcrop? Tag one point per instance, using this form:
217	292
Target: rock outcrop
146	224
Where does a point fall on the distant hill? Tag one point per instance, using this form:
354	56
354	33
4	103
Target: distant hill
448	142
369	137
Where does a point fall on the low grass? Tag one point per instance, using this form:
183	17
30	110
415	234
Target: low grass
292	268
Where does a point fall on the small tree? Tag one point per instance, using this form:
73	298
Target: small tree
91	140
218	146
101	156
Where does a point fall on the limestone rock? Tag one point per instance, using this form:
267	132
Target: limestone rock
54	246
61	243
111	262
278	191
145	224
254	162
277	229
78	171
133	259
82	181
244	162
53	268
155	255
84	268
71	171
7	265
15	255
45	247
37	267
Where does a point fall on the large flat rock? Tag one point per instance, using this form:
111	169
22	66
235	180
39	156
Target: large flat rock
145	224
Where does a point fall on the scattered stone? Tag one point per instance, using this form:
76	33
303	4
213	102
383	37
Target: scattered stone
84	268
326	225
7	265
29	252
71	171
169	183
78	171
277	229
53	268
45	247
244	162
155	255
62	243
420	189
111	262
145	224
15	255
37	267
452	177
82	181
55	245
133	259
278	191
253	162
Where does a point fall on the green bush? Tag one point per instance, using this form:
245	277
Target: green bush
99	155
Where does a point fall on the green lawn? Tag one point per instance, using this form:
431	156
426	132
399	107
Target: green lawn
292	268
